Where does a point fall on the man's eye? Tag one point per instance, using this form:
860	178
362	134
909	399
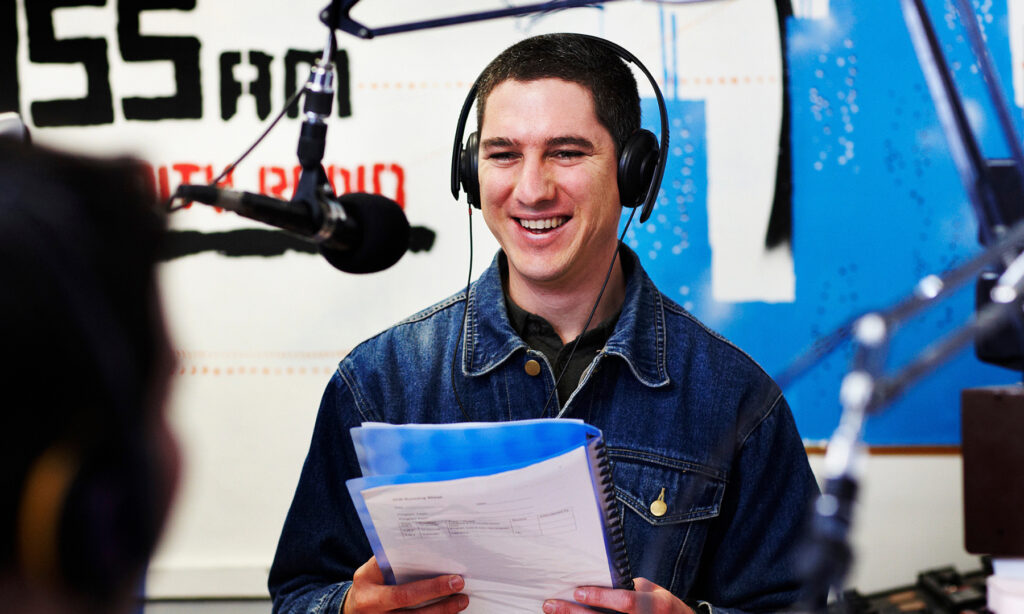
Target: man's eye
568	154
501	156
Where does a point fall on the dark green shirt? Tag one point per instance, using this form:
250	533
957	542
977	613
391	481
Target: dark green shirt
541	336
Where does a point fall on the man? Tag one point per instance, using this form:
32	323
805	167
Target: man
89	463
688	419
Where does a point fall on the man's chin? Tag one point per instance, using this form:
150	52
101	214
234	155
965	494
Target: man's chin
536	271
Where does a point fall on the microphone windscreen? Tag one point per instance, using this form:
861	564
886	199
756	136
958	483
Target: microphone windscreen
383	234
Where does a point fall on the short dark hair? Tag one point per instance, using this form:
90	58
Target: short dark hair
577	59
79	313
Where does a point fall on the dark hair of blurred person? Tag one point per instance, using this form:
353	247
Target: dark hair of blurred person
89	464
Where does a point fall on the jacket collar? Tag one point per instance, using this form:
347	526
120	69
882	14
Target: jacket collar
638	338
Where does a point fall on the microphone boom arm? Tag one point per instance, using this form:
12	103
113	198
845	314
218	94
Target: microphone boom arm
341	20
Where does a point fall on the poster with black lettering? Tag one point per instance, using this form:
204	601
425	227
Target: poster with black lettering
807	182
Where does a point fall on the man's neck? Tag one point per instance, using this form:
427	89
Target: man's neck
566	305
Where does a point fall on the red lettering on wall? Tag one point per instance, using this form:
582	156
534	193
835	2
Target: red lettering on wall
393	188
185	170
227	182
361	178
158	178
347	176
399	173
277	189
388	179
165	184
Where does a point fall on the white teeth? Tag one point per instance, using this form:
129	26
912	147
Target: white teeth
551	222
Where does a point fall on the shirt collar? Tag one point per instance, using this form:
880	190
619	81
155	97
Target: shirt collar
529	325
639	335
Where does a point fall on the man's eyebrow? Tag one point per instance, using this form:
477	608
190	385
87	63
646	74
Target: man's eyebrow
558	141
498	141
576	141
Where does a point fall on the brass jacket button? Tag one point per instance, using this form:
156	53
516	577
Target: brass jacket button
658	506
532	367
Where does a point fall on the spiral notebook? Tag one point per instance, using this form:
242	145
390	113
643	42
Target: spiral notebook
525	511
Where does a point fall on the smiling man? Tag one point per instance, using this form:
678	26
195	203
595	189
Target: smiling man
711	476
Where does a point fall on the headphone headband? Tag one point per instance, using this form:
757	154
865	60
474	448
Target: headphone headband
651	195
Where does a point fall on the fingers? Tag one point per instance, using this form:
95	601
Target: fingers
448	605
368	593
660	596
369	572
613	599
647	598
421	591
557	606
643	585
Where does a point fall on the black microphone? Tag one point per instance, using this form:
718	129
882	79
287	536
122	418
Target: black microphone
356	233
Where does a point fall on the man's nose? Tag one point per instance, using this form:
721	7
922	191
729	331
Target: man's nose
535	184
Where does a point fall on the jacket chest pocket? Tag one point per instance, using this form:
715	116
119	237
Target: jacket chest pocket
666	507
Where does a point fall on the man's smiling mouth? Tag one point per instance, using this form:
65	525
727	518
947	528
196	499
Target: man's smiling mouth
542	225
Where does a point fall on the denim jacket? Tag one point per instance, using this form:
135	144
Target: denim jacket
681	409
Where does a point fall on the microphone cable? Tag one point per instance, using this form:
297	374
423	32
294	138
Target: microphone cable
332	44
228	169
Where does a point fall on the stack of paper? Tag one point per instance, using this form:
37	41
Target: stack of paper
524	511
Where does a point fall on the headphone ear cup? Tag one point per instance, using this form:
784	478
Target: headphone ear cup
468	167
87	524
40	513
637	164
108	525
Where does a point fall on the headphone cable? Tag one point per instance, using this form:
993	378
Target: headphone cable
575	344
465	314
565	366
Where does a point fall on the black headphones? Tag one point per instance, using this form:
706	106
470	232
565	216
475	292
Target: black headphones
641	162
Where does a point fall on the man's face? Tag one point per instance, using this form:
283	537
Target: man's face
548	184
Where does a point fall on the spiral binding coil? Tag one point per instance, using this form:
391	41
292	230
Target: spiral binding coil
612	521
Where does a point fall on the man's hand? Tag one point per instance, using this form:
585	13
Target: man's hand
369	594
648	598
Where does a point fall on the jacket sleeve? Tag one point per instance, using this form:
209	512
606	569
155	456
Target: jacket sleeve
750	558
322	542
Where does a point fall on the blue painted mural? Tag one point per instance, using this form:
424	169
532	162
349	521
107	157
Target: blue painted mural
876	205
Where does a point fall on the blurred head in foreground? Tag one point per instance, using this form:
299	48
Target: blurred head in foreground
89	465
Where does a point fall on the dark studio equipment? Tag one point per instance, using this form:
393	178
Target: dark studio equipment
992	427
993	189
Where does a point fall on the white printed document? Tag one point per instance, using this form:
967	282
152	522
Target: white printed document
518	530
